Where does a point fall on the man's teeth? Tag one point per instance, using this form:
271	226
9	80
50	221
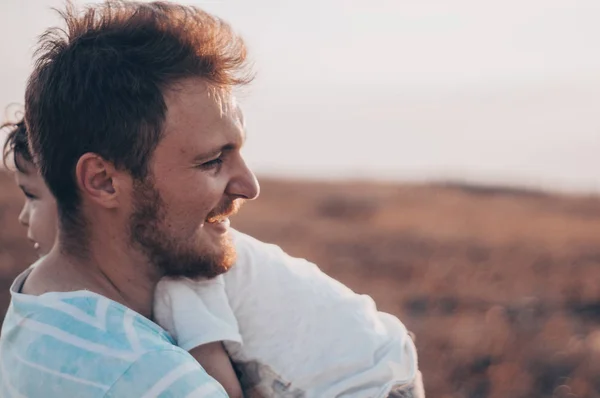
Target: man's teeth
217	220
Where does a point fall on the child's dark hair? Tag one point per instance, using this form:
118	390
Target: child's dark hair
16	144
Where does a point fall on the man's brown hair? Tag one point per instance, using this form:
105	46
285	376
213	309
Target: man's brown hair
98	86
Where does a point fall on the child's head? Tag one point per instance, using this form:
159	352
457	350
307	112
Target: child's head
39	212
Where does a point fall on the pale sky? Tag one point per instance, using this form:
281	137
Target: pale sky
500	92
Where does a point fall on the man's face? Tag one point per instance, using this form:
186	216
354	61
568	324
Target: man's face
197	177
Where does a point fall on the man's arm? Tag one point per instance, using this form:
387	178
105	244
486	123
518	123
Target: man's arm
169	373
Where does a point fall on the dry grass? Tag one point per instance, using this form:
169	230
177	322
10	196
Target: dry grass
501	286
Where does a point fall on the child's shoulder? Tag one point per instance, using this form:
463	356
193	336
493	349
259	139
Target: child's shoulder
266	278
267	265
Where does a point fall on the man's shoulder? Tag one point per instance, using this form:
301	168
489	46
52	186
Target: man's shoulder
86	345
172	372
82	319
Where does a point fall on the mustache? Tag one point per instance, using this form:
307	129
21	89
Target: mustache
228	208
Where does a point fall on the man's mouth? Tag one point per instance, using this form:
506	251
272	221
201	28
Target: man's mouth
221	215
218	219
219	223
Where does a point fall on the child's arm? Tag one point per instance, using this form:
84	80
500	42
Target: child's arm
198	317
216	362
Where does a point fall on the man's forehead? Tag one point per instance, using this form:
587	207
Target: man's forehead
198	101
227	103
230	106
231	109
201	119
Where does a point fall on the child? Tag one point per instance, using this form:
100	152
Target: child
289	329
39	212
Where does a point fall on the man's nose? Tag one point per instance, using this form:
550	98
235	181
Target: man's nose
243	183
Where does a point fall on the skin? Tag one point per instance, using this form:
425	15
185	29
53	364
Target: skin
215	360
197	171
39	213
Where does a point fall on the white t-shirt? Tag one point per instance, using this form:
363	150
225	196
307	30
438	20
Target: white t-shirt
290	330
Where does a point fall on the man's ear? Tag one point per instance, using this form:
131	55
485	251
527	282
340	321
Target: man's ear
96	179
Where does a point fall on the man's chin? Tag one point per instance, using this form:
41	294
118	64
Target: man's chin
225	261
206	265
203	271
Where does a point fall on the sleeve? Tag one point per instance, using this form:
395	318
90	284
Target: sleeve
195	312
274	295
166	373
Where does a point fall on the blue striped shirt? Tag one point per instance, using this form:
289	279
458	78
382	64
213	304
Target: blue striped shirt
81	344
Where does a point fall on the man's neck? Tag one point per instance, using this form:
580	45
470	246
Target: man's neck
109	268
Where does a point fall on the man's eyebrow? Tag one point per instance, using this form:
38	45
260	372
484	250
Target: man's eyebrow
203	157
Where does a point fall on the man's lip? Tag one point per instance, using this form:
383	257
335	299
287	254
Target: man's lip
219	220
221	224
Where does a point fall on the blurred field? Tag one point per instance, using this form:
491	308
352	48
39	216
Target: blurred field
501	286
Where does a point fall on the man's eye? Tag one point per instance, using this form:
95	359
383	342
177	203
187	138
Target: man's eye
212	164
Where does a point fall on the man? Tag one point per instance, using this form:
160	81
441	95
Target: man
286	327
136	134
